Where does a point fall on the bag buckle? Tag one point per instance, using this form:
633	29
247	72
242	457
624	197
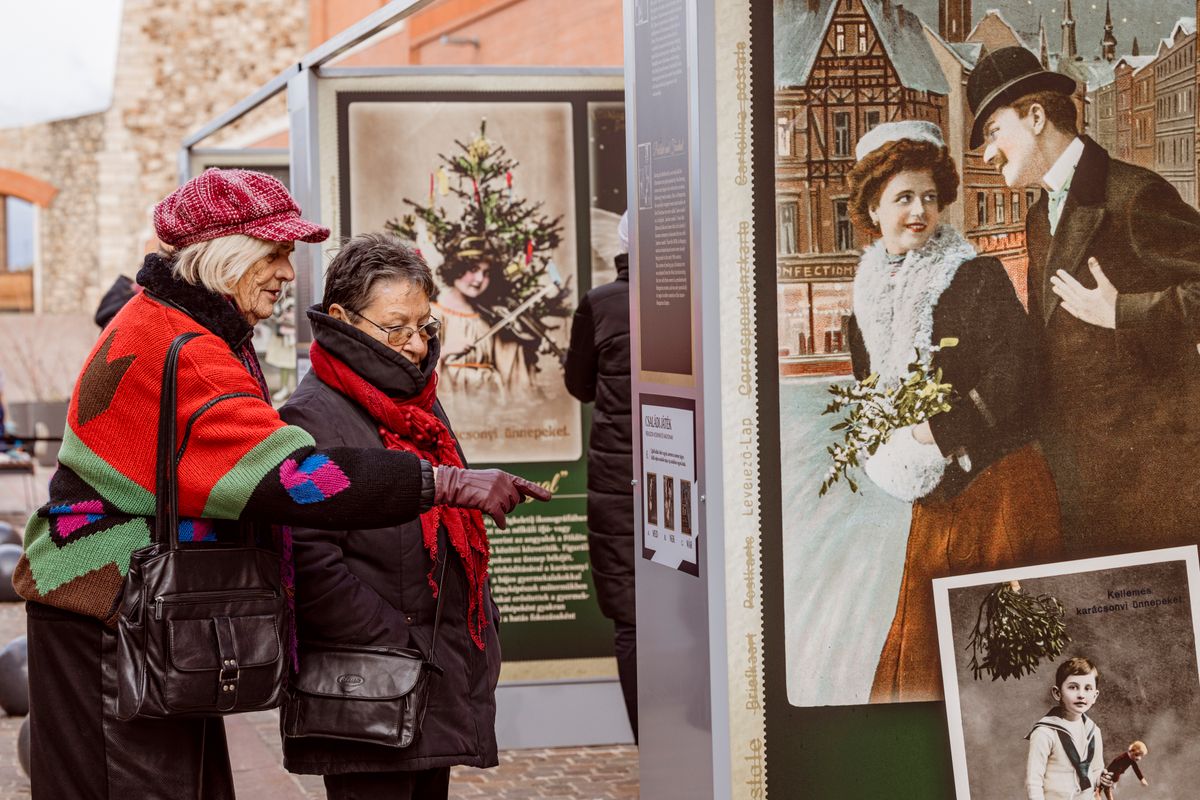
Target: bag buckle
229	675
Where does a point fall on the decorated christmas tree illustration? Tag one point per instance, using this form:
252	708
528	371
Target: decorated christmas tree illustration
497	226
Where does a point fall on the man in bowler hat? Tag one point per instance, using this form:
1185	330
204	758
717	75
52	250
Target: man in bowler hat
1114	297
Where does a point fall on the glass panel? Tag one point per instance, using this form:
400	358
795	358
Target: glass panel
19	214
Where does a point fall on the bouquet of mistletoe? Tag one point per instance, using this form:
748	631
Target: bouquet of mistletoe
1014	632
494	224
874	412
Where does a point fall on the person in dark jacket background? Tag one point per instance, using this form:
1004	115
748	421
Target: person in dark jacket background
597	369
373	385
120	293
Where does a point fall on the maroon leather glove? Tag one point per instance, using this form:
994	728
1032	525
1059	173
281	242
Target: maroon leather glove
492	491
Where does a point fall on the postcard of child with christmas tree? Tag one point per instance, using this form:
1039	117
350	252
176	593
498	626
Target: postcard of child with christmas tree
485	191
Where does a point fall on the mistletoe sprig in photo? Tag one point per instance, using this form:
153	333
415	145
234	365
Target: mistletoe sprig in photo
1014	632
494	223
873	412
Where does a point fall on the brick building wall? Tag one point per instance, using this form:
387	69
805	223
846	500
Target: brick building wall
510	32
1141	141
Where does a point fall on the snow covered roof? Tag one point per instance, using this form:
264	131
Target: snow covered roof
1184	26
1135	62
1095	73
801	26
1023	37
967	52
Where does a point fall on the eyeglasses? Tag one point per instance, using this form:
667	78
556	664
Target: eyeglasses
399	335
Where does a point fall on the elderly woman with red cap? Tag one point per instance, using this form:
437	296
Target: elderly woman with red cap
231	234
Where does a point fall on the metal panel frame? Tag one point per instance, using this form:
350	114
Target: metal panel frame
685	714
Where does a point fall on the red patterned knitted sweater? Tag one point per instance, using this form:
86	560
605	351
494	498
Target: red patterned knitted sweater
239	460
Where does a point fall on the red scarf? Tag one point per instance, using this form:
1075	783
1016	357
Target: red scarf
409	424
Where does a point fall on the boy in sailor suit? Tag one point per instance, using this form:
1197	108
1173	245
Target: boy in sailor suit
1066	751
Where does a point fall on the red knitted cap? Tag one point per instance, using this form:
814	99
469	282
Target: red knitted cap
222	202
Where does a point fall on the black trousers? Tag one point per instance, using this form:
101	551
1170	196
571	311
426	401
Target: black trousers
427	784
79	750
625	644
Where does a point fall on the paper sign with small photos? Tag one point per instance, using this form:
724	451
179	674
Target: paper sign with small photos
1003	635
668	483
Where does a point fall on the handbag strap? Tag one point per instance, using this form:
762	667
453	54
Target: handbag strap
437	614
166	504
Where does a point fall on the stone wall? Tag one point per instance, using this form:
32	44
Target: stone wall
63	154
179	64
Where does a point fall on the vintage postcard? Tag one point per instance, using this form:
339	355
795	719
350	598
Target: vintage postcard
980	364
1126	624
503	336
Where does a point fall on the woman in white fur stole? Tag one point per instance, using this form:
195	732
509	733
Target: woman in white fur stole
983	497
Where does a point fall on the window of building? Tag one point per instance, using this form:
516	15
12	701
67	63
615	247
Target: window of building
999	208
862	37
783	140
841	134
981	208
16	231
839	33
873	118
1016	207
843	231
787	228
1029	200
16	254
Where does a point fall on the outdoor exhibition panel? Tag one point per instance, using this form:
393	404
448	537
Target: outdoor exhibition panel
778	580
423	154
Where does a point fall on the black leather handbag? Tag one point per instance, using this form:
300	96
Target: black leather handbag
202	626
362	693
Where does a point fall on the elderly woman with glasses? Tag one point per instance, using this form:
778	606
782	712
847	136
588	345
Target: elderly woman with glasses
373	384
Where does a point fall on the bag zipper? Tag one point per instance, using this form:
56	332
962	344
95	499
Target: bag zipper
191	598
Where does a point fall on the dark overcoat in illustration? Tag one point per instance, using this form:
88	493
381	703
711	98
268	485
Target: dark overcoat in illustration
1119	414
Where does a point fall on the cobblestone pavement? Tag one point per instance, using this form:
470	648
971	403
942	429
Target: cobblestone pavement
580	773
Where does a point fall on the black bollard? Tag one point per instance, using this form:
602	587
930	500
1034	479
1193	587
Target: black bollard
14	678
23	746
10	554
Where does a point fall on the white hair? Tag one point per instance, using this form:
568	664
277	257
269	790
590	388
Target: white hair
218	264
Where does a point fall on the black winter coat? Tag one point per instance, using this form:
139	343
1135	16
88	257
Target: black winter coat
991	370
597	369
1118	409
371	587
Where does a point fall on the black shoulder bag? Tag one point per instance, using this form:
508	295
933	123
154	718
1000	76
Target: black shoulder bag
362	693
202	626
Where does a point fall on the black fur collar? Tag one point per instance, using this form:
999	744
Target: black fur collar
213	311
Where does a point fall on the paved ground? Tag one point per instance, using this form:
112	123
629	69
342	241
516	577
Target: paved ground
585	773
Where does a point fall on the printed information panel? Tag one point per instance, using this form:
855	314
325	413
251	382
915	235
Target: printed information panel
664	248
669	482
